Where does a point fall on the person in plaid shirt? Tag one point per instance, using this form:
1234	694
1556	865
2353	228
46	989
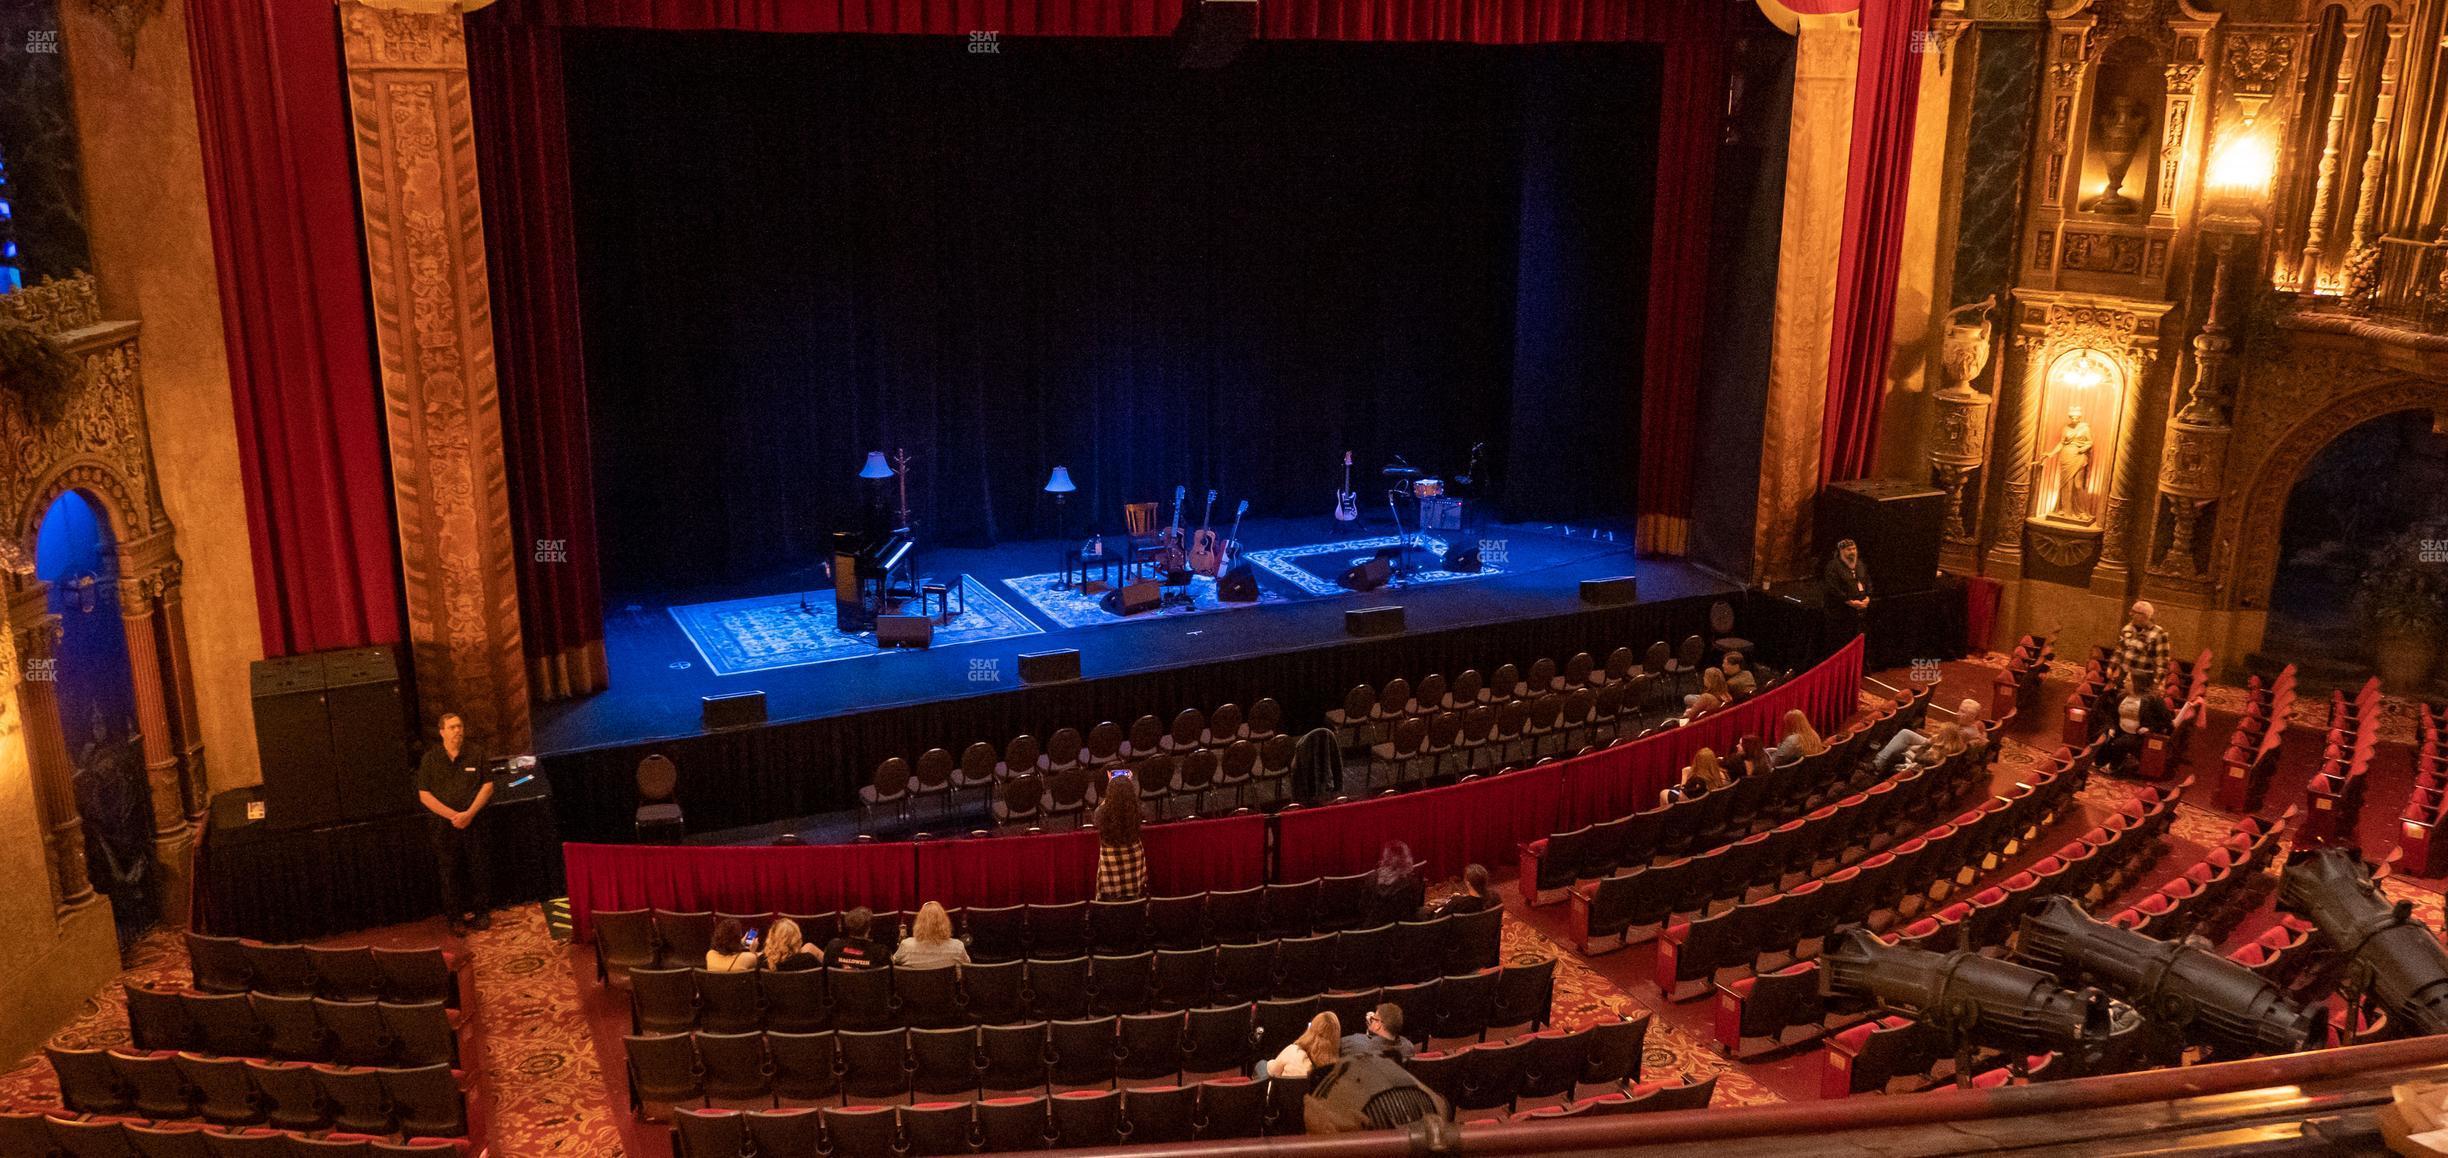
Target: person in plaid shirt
1121	855
2142	648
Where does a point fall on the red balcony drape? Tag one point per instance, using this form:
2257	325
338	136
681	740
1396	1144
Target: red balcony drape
1877	187
1047	869
281	188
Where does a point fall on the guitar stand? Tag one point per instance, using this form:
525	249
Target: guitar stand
1402	553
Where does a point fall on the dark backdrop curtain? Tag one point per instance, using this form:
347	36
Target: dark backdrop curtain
1877	188
282	188
795	250
531	254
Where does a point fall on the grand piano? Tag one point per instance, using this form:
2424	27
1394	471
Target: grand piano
871	576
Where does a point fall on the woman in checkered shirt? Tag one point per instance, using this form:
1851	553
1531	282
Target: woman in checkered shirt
1121	856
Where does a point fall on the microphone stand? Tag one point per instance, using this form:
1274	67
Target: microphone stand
1402	552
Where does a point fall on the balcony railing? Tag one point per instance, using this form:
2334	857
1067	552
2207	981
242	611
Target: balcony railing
2407	284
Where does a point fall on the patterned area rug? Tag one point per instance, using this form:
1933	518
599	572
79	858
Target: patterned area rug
547	1094
771	631
1313	567
1068	607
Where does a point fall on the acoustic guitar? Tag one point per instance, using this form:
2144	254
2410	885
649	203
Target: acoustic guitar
1169	553
1232	542
1347	500
1206	551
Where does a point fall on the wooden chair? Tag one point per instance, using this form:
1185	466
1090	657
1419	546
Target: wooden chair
1224	727
658	813
1401	751
1019	757
1193	776
1619	666
1155	777
890	787
1444	740
1237	767
1018	801
1478	731
1429	698
1265	720
1352	721
1189	731
1393	705
1275	766
1147	735
977	770
1467	691
1543	679
1104	746
933	779
1502	686
1139	522
1064	751
1066	795
1577	671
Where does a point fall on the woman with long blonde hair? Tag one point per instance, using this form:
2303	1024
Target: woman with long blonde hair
1705	775
931	942
786	947
1712	683
1316	1049
1800	738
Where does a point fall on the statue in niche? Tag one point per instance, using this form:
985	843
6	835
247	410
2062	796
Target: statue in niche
2119	132
2071	461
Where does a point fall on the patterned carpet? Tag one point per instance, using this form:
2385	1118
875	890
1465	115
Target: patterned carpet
772	631
1069	607
547	1093
1313	567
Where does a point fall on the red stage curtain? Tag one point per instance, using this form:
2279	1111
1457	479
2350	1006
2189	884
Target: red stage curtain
514	75
282	190
1192	856
814	878
1876	189
1675	347
1049	869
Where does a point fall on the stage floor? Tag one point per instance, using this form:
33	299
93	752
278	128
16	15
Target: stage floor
667	650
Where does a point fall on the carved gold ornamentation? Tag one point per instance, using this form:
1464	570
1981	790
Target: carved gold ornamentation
2290	410
2257	61
2102	252
2062	546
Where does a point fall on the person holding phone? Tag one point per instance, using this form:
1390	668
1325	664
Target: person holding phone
733	950
1121	855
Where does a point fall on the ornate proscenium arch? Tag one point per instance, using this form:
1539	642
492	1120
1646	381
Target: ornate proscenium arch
2255	530
131	520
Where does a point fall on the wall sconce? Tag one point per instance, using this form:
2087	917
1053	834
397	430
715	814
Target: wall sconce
2238	178
2084	372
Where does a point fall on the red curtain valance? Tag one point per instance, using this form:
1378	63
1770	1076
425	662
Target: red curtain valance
1469	21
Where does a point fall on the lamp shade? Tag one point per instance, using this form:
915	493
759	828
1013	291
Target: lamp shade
876	466
1059	483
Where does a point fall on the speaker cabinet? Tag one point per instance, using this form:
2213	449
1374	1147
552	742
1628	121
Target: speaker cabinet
1896	524
1367	576
369	733
293	741
1049	667
905	630
1615	589
1238	584
1462	560
735	710
1132	598
1374	621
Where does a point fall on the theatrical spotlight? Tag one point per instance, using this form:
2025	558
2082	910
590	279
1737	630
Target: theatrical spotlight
2391	955
1981	1000
2204	997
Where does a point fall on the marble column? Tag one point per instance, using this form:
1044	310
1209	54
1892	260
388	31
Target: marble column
1819	152
173	835
188	723
425	259
37	633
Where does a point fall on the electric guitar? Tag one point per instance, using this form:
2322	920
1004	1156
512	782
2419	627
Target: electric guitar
1232	543
1206	556
1169	556
1347	500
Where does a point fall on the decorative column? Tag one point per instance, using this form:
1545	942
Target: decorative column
425	257
2362	253
36	632
173	835
2021	432
181	672
2324	192
1826	58
2194	459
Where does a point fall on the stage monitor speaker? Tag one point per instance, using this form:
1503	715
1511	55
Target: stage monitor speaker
1374	621
369	733
1367	576
1616	589
1049	667
905	630
293	742
1132	598
1212	32
1896	524
734	710
1462	560
1238	584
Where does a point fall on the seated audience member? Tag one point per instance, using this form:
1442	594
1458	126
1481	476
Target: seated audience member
1319	1047
931	942
1800	738
1696	708
1397	888
1738	675
1944	744
730	952
1384	1037
1704	776
853	949
786	948
1750	758
1712	683
2139	714
1968	718
1472	899
1905	740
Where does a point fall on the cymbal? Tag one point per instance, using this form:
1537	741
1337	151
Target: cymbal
1400	472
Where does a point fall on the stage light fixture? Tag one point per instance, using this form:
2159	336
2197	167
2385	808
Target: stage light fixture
2391	956
2194	993
1980	1000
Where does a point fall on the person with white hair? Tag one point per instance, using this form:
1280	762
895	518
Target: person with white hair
2142	647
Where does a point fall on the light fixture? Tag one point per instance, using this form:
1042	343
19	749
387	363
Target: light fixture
2241	168
1059	483
2083	371
876	466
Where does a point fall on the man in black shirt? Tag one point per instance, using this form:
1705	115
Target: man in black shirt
451	784
1847	597
853	949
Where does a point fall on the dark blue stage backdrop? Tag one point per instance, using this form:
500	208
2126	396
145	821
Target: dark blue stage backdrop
797	249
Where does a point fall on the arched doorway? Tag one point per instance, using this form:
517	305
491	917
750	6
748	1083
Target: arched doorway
77	556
